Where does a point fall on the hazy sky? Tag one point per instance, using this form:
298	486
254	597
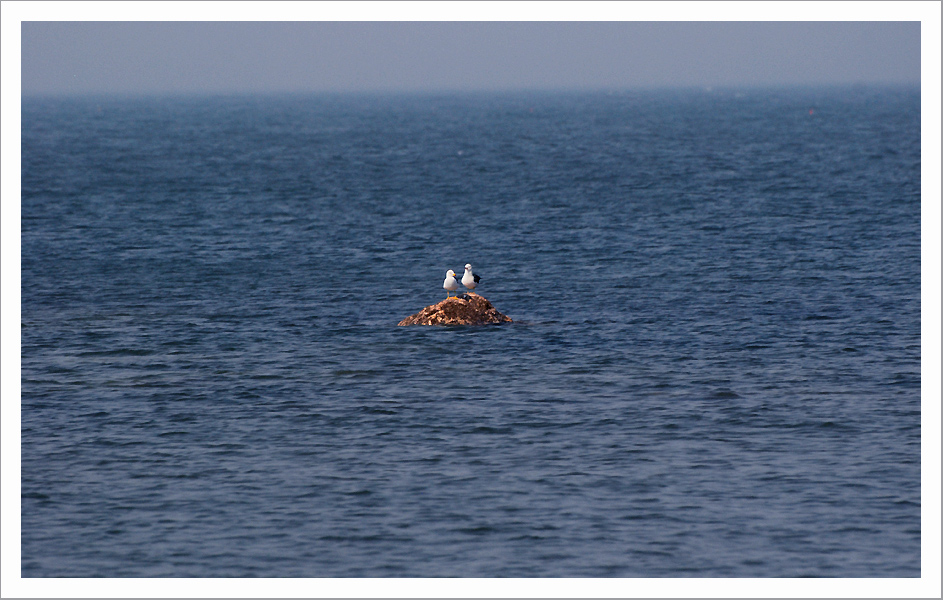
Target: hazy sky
220	57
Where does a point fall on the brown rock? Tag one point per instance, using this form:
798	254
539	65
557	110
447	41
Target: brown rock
468	309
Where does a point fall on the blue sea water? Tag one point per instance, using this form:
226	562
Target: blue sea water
713	370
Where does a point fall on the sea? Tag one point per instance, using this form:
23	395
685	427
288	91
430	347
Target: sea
713	369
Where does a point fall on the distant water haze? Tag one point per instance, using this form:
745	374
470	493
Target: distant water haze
264	57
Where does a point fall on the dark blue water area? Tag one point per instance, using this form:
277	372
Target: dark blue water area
713	369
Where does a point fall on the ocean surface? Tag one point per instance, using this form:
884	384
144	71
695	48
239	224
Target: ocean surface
713	369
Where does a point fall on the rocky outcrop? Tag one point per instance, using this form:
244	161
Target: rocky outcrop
467	309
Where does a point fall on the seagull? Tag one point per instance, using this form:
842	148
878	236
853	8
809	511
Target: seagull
469	279
449	284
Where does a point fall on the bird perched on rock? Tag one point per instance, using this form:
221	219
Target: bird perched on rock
450	284
469	279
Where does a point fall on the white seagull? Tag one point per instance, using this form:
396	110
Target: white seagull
450	284
469	279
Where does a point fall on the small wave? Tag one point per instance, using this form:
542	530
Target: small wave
479	530
357	373
117	352
35	496
492	430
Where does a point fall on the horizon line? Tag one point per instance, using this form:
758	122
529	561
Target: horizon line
446	91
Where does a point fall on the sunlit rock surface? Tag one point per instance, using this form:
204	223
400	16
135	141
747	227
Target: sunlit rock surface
468	309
